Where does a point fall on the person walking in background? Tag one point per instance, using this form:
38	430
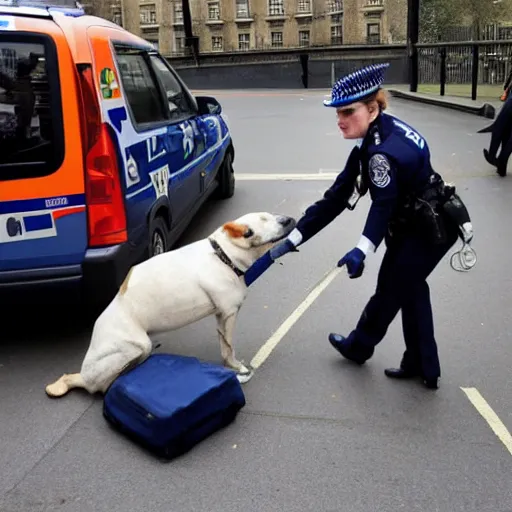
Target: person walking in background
501	136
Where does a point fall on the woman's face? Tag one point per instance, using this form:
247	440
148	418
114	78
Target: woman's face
355	119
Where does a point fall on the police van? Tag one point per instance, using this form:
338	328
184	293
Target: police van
105	155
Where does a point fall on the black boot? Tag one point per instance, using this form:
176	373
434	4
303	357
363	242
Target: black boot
400	373
406	373
431	383
350	350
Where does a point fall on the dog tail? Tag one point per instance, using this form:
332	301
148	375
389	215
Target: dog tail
124	285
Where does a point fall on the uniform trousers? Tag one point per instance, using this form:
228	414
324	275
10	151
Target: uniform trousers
402	285
501	129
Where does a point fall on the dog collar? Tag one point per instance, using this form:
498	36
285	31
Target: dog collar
224	257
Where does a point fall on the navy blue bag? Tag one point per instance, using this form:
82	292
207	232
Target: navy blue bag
170	403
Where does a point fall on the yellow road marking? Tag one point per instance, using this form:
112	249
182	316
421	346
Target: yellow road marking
273	341
490	416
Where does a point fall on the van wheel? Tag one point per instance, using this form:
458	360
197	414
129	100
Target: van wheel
226	178
158	243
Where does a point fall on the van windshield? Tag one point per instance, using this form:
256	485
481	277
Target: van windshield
29	121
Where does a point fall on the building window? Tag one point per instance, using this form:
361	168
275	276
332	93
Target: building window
244	41
335	5
337	34
178	12
373	33
277	39
179	42
148	15
214	10
242	9
304	6
153	42
217	43
275	7
304	38
117	18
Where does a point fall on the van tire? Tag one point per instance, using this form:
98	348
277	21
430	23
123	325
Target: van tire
226	178
158	239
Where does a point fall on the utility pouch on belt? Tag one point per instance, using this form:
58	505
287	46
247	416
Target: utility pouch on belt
456	210
439	203
428	208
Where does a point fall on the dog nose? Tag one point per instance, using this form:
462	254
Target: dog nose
285	221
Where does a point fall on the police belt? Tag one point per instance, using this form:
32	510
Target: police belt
427	211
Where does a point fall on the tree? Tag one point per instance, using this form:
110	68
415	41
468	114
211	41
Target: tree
484	12
436	16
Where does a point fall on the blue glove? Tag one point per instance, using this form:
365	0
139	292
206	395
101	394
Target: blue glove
265	261
282	248
354	260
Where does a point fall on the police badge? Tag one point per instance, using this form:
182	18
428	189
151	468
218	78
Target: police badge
379	171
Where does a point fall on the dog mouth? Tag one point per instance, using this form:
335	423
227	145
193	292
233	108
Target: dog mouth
288	224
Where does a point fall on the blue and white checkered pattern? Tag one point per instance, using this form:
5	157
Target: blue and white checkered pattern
357	85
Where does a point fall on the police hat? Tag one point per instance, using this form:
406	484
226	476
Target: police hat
357	85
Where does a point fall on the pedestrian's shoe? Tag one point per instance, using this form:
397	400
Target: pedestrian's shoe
400	373
431	383
405	373
489	159
501	167
350	350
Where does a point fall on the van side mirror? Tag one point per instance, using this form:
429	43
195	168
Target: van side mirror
208	105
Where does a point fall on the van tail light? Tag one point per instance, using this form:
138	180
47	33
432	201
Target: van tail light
106	213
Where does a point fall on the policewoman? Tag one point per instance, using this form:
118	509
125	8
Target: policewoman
417	215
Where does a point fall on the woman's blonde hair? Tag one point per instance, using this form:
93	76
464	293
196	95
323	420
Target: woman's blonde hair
381	97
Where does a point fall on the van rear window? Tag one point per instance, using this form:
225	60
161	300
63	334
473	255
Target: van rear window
31	134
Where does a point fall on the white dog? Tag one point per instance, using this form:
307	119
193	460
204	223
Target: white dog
172	290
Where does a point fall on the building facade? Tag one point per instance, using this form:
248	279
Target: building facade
242	25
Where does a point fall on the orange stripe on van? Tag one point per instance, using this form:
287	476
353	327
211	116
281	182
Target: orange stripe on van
57	214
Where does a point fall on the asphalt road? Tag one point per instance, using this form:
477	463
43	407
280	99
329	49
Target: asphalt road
317	433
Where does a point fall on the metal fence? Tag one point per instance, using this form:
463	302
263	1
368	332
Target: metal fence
492	58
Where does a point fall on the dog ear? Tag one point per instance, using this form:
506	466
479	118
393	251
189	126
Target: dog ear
235	230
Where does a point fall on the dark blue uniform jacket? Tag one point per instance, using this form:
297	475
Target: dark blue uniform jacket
394	161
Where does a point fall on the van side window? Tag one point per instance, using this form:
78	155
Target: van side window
141	88
179	104
31	130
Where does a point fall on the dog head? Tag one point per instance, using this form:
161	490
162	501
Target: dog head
249	237
259	230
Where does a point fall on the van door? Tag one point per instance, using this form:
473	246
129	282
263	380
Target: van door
42	204
162	144
187	175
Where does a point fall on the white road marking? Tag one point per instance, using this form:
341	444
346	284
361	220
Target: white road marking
490	416
334	172
286	176
273	341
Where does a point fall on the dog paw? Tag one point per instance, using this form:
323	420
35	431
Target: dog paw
244	374
58	388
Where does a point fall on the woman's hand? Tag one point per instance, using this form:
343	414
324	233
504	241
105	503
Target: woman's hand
354	260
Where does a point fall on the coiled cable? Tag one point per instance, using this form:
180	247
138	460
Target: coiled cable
464	259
